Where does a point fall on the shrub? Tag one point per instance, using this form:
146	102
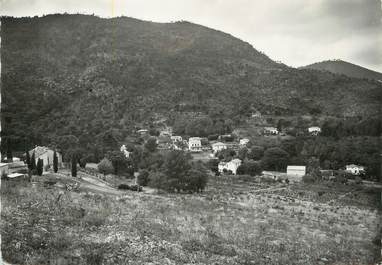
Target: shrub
143	178
213	137
123	187
130	187
135	188
308	178
105	166
4	175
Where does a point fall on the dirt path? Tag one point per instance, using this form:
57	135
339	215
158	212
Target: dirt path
88	183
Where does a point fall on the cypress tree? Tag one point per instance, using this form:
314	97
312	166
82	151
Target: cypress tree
28	159
9	151
55	162
33	161
74	167
40	167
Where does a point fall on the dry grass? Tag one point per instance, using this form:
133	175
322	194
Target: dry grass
229	224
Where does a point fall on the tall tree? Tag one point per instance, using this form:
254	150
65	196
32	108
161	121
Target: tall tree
40	167
151	144
28	158
9	151
33	161
275	159
55	162
74	167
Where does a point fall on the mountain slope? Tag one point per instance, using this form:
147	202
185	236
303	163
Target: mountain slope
345	68
97	78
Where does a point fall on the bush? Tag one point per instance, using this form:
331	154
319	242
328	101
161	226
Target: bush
4	175
130	187
123	187
135	188
308	178
105	166
250	168
213	137
143	178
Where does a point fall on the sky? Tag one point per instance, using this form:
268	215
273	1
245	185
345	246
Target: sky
295	32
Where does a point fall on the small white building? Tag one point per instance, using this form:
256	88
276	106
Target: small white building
355	169
124	151
4	169
176	138
314	130
296	172
216	147
46	154
271	130
14	159
165	133
256	114
143	131
244	141
195	144
229	166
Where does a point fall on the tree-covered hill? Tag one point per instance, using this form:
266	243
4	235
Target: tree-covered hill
345	68
97	78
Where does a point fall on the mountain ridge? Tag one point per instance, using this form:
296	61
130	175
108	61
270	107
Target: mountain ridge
346	68
79	74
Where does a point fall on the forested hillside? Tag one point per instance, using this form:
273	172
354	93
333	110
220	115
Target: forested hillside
97	79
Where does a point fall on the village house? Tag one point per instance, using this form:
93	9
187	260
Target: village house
256	114
355	169
46	155
176	138
230	166
271	131
165	133
124	151
296	172
314	130
195	144
143	131
216	147
244	141
14	159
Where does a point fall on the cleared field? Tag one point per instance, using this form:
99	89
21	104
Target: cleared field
236	221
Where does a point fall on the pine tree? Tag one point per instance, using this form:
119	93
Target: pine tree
74	167
55	162
33	161
40	167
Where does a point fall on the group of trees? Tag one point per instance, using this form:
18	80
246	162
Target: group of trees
202	126
38	168
173	171
339	128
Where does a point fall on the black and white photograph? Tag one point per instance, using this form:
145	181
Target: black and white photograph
180	132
